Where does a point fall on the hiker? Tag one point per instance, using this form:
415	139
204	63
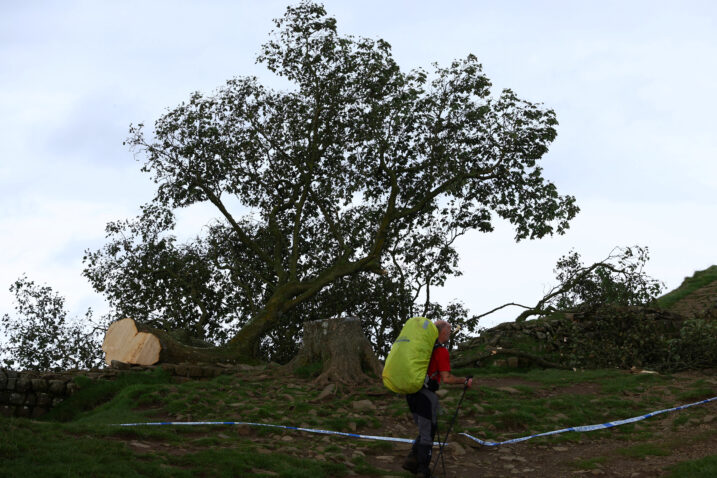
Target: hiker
424	403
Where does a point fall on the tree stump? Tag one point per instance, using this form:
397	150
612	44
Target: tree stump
343	349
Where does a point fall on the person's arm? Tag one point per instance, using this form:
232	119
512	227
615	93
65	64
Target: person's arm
448	377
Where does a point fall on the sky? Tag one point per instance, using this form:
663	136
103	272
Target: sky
632	84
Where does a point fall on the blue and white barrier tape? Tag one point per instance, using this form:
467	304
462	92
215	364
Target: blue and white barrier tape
589	428
309	430
586	428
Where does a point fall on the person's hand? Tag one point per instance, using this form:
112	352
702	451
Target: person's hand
469	382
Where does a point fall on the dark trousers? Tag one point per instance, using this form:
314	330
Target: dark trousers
424	408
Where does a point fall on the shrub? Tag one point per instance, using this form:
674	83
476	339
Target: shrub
695	347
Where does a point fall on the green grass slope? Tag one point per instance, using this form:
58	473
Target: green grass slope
80	438
694	293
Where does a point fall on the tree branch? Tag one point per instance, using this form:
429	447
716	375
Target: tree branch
243	236
564	287
333	227
293	261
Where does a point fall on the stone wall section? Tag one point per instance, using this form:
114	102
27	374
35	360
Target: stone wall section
30	394
506	333
547	332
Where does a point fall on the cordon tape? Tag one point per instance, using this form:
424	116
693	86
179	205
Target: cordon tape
284	427
587	428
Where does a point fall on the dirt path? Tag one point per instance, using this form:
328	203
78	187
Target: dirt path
669	442
561	460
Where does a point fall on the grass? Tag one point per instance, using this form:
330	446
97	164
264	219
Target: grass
679	421
508	415
613	379
233	463
688	286
514	414
52	450
590	463
702	468
698	391
309	370
644	449
78	438
30	449
93	394
365	468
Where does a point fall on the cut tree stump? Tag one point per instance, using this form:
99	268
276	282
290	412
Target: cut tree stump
123	342
343	349
140	344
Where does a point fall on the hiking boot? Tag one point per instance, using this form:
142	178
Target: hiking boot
427	474
423	456
410	464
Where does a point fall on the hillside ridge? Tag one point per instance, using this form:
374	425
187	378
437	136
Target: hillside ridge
696	296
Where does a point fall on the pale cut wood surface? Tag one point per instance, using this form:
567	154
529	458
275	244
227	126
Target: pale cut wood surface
124	343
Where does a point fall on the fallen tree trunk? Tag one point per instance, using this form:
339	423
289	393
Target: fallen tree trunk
343	350
470	359
339	344
135	343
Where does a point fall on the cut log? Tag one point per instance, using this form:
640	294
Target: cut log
123	342
342	348
140	344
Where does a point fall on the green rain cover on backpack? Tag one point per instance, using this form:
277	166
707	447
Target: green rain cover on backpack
407	362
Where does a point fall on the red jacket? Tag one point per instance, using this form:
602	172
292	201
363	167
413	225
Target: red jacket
440	362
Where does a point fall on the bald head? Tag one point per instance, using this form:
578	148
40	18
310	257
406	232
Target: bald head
444	330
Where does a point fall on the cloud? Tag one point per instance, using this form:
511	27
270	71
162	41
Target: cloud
45	238
497	271
631	83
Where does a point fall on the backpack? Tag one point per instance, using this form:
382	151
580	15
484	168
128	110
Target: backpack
407	362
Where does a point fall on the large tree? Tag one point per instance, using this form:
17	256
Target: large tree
352	169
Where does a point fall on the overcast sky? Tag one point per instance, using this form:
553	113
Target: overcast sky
633	85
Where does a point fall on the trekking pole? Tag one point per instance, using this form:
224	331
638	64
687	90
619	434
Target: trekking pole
441	445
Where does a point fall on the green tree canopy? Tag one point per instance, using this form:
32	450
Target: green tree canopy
356	166
40	336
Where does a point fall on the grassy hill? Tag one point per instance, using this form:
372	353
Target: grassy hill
696	295
80	438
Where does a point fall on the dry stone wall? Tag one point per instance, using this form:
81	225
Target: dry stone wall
609	336
544	331
30	394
